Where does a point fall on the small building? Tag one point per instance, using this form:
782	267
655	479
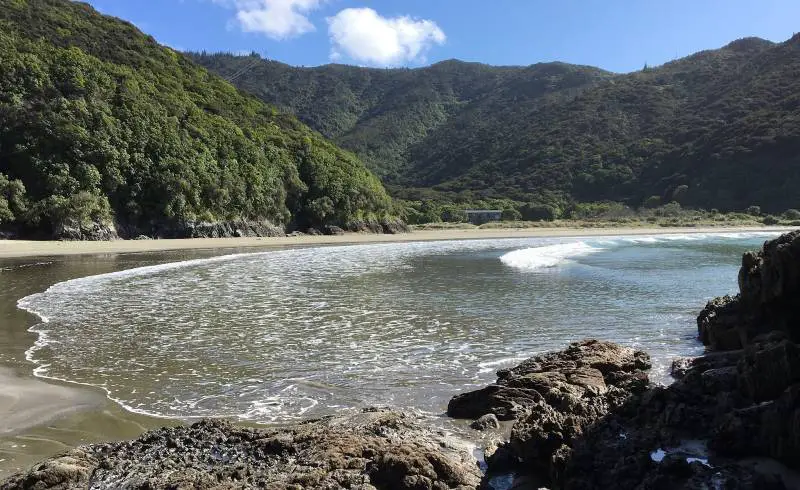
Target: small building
481	216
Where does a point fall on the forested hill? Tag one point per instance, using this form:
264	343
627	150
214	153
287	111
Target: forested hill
101	124
718	129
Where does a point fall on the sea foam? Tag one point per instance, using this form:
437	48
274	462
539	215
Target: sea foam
547	256
537	258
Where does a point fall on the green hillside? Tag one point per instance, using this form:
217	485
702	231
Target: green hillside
718	129
100	124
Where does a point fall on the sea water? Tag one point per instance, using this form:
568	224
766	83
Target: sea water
285	335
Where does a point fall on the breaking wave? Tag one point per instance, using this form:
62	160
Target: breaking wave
547	256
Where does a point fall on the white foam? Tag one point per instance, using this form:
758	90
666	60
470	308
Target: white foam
548	256
88	281
658	455
703	461
641	239
489	366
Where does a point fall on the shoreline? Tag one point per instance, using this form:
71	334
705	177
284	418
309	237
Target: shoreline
31	248
70	407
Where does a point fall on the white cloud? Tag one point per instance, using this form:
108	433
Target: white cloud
277	19
364	36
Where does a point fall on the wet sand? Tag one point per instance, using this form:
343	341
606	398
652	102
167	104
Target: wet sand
25	248
39	418
26	402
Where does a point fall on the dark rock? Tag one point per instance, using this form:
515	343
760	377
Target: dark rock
332	230
769	291
227	229
365	226
720	379
375	226
486	422
766	371
501	460
722	324
71	230
766	429
394	227
371	449
201	229
554	397
9	234
505	402
680	367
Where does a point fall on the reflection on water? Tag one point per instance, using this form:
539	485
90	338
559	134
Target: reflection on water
283	335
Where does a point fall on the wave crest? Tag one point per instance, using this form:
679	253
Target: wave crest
548	256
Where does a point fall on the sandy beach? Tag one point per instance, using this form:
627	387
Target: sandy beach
26	248
26	402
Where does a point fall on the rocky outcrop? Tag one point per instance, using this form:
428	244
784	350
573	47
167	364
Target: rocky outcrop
372	449
742	399
237	229
388	226
711	402
553	399
72	230
332	230
769	288
486	422
202	229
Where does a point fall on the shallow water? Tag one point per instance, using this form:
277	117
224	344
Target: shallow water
282	335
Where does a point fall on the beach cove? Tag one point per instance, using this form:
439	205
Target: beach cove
67	414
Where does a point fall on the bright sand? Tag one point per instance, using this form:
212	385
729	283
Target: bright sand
25	248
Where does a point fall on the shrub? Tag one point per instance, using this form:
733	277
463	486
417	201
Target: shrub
539	212
670	209
511	214
601	210
652	202
680	192
454	215
792	214
770	220
753	210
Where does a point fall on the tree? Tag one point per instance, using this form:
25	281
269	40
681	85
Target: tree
99	122
13	203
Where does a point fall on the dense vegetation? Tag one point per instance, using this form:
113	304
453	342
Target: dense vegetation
99	123
718	129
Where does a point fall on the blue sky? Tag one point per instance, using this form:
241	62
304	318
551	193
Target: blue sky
618	35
